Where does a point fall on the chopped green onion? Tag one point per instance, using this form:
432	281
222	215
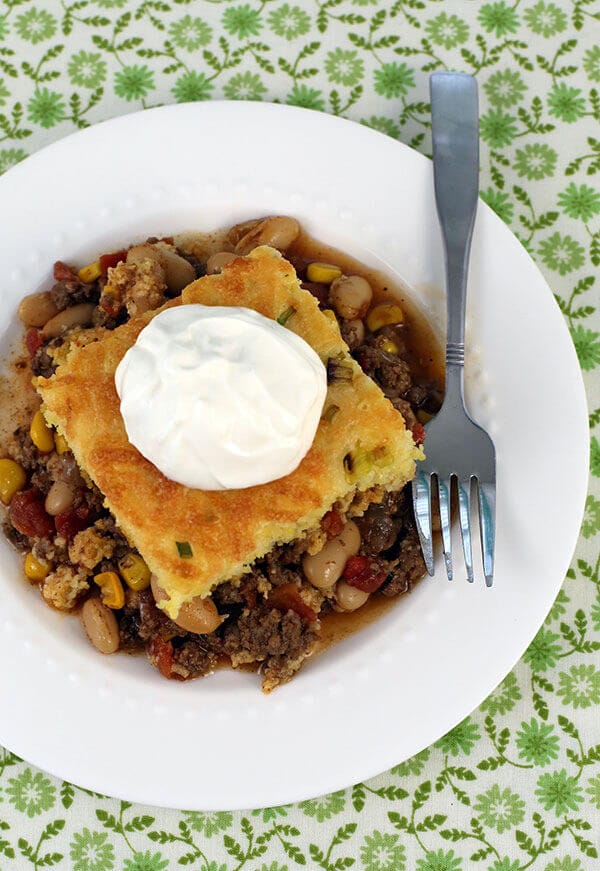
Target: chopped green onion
184	549
330	412
286	315
337	371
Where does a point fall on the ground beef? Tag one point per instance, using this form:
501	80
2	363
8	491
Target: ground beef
426	395
243	592
102	318
405	409
51	550
67	293
42	364
409	566
25	452
129	628
197	656
391	372
108	527
94	499
279	569
16	538
153	621
394	333
265	634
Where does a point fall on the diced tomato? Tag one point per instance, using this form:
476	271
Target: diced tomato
63	272
288	598
418	433
361	573
332	524
160	653
33	341
109	261
70	523
28	515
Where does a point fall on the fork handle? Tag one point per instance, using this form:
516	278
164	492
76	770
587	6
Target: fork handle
455	134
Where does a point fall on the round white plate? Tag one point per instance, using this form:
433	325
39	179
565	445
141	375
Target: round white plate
386	693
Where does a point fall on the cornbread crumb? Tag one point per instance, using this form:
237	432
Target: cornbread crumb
62	587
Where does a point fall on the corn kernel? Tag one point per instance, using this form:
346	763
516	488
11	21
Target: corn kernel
41	434
384	315
323	273
134	571
62	445
424	416
111	589
35	569
389	346
90	272
12	479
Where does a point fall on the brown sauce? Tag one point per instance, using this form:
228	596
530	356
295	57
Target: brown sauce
426	359
18	400
424	349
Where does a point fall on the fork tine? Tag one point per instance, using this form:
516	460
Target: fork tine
445	492
421	492
487	525
464	510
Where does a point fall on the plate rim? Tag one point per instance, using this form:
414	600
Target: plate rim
66	143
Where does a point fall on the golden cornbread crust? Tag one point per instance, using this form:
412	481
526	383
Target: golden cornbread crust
227	530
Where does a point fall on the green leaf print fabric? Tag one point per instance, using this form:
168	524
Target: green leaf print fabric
517	784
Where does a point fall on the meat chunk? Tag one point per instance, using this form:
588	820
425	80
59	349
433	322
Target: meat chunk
405	410
63	587
409	567
42	363
391	372
67	293
196	656
281	640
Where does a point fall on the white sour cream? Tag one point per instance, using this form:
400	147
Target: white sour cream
220	398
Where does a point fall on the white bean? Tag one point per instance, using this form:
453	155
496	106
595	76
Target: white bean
355	332
216	262
75	316
349	598
100	625
278	232
351	296
324	569
178	271
36	309
198	615
59	499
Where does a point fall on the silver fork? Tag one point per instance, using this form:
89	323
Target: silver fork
456	447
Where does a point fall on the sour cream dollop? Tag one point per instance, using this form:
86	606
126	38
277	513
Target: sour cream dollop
220	398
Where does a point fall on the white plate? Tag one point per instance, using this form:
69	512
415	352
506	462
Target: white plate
388	692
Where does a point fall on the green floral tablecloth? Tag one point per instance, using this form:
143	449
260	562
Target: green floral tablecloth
516	784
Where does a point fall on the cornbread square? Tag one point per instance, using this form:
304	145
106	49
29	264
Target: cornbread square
361	445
